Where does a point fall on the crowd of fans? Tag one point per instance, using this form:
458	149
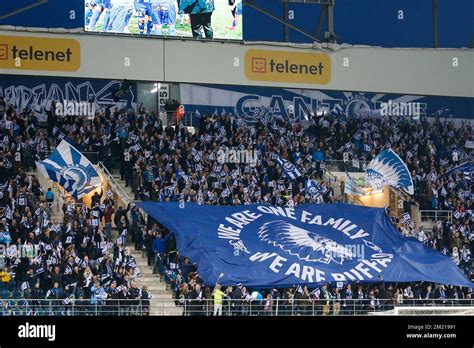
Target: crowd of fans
75	260
67	261
79	259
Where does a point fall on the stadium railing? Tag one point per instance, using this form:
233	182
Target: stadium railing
432	216
114	183
349	166
205	307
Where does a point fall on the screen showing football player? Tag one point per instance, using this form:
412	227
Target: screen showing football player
94	11
236	9
200	13
120	14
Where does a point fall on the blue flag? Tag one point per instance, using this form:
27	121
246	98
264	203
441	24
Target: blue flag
266	246
312	188
289	169
465	168
70	169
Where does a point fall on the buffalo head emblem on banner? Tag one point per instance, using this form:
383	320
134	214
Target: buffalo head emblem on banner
304	244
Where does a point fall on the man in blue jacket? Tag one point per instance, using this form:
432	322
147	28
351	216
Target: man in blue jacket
159	247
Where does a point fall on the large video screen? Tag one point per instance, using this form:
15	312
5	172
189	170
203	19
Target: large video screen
212	19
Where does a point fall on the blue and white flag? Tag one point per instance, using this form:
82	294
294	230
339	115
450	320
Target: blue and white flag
465	168
268	246
312	188
388	169
70	169
289	169
351	188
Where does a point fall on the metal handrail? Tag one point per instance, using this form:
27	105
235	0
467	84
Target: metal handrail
436	215
114	183
342	166
229	307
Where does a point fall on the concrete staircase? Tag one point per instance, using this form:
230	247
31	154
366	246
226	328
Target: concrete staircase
162	302
127	190
57	211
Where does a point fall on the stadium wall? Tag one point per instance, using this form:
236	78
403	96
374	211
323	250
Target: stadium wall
301	102
36	92
446	72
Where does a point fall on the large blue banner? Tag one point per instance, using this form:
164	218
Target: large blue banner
265	246
37	93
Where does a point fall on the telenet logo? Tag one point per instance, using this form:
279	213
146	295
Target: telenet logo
284	66
39	53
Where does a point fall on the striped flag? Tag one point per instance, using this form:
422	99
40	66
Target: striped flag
312	188
433	176
70	169
8	213
289	169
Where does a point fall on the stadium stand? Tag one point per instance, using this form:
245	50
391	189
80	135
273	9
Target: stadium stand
65	255
172	164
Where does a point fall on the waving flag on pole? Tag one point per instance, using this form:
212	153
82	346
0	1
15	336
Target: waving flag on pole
70	169
388	169
312	188
289	169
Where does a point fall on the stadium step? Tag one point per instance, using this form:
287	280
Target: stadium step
127	190
167	311
56	211
155	283
141	263
162	302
